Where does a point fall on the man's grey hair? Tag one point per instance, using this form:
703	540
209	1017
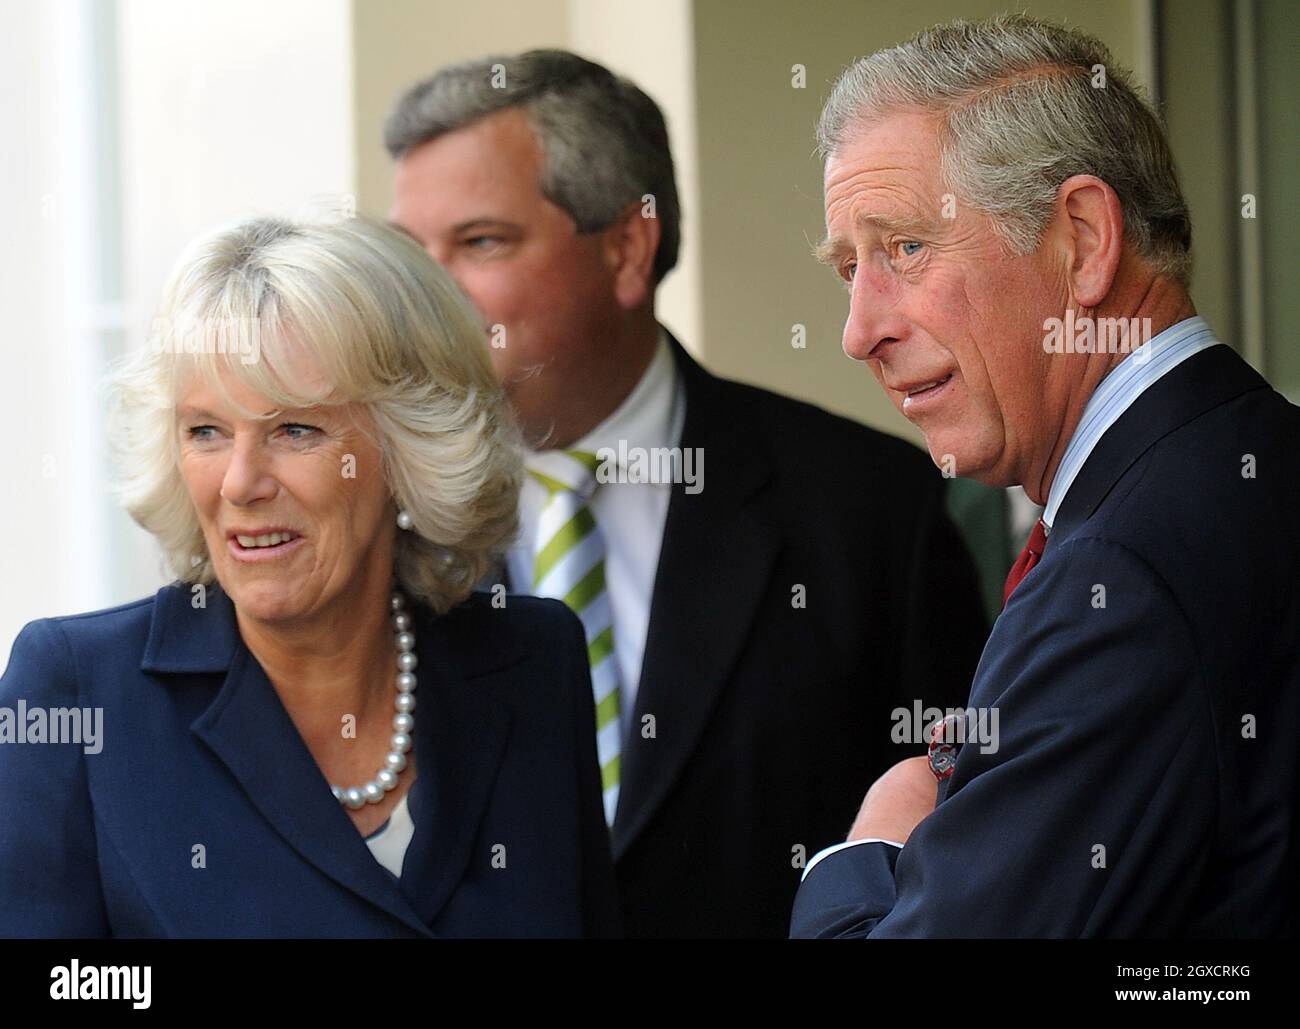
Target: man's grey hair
1025	104
604	142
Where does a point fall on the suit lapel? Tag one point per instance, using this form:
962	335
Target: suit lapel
1200	383
715	562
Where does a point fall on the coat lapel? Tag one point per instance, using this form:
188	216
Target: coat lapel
1200	383
715	562
248	728
460	752
459	743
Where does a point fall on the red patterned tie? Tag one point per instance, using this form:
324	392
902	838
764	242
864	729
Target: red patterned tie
1027	559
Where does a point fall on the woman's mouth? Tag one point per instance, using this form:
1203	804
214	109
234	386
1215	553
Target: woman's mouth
263	546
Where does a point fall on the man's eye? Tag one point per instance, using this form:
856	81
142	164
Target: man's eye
910	243
847	271
482	242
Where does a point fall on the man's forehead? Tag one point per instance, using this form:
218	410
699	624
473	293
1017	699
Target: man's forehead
882	198
482	172
905	143
891	164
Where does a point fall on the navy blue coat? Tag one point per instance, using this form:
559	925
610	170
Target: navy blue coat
198	751
1145	782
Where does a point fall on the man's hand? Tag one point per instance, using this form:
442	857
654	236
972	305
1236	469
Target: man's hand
897	802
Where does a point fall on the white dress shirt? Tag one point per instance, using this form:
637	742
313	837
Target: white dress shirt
630	515
1114	395
389	842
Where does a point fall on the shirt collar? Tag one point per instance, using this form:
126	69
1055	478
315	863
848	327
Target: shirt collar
1117	392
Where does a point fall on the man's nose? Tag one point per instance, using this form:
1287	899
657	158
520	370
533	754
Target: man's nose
248	479
873	317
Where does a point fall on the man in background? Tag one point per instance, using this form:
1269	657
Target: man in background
755	618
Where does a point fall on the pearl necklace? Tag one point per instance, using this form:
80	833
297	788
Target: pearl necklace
403	722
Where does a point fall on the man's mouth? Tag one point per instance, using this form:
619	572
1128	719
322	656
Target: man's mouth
928	386
923	394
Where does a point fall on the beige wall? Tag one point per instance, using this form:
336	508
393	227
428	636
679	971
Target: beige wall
1198	108
657	51
1279	86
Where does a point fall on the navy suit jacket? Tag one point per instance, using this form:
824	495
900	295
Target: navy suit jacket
1147	677
205	815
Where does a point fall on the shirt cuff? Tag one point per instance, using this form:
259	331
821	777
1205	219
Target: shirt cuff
841	846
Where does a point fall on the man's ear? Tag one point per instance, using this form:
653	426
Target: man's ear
630	245
1091	224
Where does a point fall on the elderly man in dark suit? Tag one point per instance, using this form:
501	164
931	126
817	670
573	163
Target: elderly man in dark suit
752	621
1017	252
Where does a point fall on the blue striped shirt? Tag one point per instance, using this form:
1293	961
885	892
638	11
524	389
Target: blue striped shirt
1127	381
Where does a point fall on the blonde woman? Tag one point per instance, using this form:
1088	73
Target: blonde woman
319	729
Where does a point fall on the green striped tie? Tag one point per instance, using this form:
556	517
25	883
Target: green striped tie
570	566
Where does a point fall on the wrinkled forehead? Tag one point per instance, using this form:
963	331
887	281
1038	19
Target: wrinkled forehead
906	138
895	157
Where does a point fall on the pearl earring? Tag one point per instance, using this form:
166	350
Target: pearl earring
404	520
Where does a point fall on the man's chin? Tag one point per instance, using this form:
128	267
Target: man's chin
958	461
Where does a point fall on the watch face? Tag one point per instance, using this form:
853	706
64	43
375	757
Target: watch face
943	748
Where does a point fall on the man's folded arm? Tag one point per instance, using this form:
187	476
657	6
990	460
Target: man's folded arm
852	892
1093	810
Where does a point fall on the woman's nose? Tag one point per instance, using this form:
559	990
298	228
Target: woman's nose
247	478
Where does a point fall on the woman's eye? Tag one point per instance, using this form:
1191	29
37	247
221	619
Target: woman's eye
295	430
200	433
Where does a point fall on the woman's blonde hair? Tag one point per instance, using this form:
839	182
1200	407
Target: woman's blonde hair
389	330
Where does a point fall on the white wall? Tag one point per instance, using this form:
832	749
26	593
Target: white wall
52	517
226	109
